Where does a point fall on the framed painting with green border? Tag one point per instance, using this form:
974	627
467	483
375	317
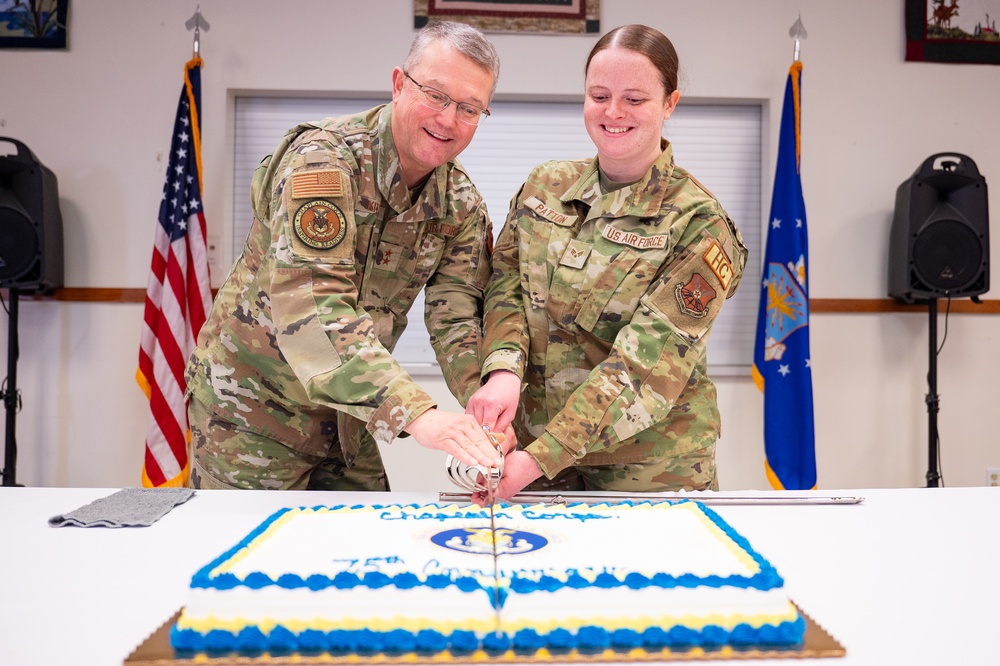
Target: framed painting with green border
953	31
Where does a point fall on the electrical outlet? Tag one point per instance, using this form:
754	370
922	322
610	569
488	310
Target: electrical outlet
214	248
993	476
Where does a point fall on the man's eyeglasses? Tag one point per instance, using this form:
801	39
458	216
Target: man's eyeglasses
433	98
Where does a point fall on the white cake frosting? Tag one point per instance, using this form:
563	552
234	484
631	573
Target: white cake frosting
407	577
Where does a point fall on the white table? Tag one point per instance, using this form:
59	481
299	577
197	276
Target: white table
910	576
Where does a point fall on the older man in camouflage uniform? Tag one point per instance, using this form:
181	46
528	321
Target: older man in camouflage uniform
601	301
293	384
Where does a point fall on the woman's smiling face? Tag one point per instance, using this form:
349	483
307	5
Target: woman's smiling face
624	109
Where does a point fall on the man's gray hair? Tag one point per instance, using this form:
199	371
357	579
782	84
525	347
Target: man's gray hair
465	39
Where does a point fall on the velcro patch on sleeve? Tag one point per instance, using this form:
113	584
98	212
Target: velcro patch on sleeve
320	224
317	183
694	296
717	260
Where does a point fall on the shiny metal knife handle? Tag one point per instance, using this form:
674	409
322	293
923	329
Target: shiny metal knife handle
468	476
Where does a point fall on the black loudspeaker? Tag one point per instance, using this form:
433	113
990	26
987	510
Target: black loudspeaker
939	245
31	247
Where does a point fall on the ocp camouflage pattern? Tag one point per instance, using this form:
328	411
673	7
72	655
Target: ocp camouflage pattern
619	292
299	342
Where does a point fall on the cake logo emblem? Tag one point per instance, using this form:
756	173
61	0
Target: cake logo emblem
479	540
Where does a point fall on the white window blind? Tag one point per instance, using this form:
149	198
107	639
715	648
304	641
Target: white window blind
720	144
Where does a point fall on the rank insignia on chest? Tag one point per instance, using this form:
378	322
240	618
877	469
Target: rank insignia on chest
576	254
388	256
694	296
320	224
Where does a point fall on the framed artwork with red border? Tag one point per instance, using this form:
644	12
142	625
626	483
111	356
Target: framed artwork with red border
539	16
953	31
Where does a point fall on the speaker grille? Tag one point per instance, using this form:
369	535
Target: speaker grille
947	255
18	244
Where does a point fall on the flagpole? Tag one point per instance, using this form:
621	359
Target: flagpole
782	367
178	293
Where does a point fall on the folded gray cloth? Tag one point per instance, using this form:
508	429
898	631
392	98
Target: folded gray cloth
129	507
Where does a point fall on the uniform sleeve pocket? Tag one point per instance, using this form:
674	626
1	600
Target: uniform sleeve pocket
301	338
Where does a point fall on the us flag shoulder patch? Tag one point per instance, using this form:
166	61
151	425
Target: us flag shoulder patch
317	183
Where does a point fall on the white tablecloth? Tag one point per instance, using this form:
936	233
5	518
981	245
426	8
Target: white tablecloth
909	576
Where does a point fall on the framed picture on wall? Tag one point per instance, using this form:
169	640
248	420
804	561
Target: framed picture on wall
955	31
37	24
537	16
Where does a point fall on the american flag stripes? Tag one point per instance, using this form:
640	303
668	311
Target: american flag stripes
178	295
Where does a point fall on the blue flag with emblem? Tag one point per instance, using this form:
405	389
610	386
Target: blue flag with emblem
781	365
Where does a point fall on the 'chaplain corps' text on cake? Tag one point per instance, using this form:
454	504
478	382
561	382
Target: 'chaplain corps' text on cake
405	578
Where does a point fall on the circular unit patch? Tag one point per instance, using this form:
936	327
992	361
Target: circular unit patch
479	540
320	224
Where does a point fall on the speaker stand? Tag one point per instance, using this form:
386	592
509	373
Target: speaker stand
10	394
933	477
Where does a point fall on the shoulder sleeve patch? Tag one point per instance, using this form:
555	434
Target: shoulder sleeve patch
320	224
717	260
317	183
691	292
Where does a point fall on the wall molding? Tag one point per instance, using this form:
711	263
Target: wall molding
816	305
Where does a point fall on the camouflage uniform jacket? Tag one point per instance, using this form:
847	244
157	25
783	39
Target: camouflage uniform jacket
601	303
298	344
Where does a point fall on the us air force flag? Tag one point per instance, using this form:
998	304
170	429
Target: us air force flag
781	354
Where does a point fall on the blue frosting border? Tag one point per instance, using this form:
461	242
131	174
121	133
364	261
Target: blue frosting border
282	641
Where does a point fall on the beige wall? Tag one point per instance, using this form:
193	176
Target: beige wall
99	114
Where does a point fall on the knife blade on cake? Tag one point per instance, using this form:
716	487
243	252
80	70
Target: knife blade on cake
491	481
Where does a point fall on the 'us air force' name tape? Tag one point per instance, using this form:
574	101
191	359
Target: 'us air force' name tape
320	224
657	242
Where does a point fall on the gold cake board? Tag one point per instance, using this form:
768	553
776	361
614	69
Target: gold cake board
156	651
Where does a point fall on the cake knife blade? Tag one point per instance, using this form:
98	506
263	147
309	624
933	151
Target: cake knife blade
492	481
708	498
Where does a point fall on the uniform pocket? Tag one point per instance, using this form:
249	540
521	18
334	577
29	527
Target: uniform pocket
612	300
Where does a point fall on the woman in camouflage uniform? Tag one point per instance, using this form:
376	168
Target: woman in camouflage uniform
608	276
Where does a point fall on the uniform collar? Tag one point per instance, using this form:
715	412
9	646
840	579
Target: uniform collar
428	203
642	198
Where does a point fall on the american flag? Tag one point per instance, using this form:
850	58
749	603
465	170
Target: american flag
178	296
